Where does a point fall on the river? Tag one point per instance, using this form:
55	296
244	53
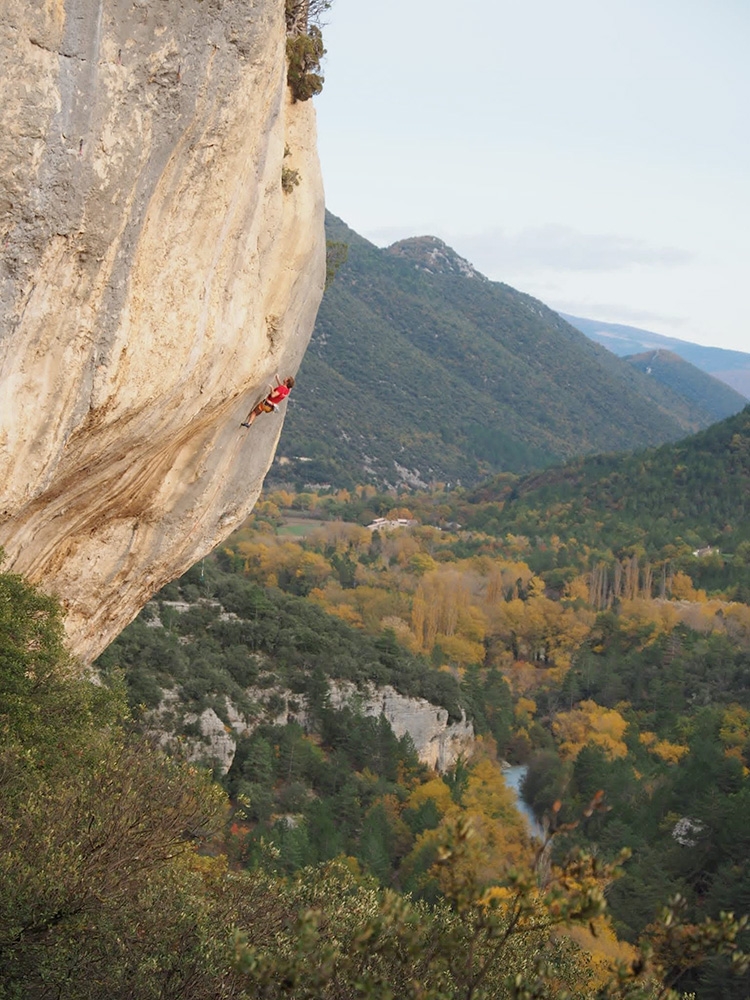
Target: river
514	776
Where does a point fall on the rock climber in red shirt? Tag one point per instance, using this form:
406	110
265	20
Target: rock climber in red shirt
277	394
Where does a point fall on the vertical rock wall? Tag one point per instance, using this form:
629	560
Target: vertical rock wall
154	277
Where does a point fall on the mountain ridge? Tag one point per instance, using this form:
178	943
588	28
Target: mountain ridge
730	367
418	372
670	369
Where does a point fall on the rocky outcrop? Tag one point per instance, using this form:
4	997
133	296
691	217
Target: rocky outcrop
438	742
154	278
205	737
428	253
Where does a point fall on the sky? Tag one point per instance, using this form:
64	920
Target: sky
592	153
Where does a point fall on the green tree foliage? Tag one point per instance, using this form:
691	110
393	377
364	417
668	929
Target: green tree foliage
304	52
336	254
664	502
213	649
95	827
489	703
38	677
473	945
103	895
679	797
316	798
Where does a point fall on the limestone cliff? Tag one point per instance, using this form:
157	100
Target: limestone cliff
154	278
438	741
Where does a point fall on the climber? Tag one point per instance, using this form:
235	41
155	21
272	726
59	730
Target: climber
276	394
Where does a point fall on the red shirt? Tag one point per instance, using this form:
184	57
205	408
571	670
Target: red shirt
278	394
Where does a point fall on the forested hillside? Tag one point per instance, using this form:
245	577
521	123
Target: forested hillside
707	392
591	621
627	702
662	503
620	677
420	370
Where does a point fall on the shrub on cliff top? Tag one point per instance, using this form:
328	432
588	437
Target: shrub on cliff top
304	53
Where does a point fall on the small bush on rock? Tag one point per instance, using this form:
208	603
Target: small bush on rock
304	53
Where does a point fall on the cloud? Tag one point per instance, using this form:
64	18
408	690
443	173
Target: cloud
559	248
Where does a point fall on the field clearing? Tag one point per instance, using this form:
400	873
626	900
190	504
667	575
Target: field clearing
299	526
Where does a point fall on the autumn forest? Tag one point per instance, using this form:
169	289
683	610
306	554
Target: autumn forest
587	627
617	675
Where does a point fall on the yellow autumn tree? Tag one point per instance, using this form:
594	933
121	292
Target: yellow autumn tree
501	840
737	622
438	602
341	536
540	630
670	753
421	563
577	589
397	513
606	950
644	620
334	600
373	604
734	732
460	651
401	630
398	547
435	790
282	498
503	580
524	711
590	723
260	558
682	588
311	568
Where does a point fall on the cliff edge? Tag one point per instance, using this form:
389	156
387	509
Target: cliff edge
154	278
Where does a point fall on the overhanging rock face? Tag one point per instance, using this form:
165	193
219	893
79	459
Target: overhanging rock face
154	278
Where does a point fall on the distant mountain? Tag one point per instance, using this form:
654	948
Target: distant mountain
730	367
422	370
707	392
